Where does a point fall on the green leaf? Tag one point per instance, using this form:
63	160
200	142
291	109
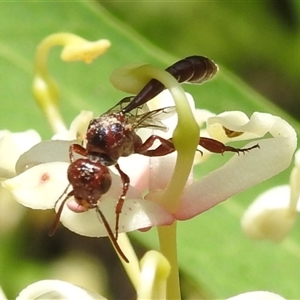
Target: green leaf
213	253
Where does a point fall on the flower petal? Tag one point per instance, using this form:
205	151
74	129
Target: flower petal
269	216
136	214
56	289
242	171
257	295
258	125
161	171
139	176
40	186
78	127
45	152
12	145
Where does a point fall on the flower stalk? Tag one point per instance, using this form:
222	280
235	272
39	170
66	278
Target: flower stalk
168	247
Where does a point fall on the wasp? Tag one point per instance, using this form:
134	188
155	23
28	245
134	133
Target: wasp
114	134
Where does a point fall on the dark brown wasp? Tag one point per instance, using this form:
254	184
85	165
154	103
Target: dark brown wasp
113	135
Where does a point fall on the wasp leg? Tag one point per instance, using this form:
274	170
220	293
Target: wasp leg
76	148
164	148
218	147
60	209
126	181
167	146
111	235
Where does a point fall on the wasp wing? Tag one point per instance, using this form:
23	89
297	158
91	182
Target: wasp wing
120	105
123	103
152	119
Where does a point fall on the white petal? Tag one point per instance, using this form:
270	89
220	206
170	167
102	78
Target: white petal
164	99
269	216
136	214
202	115
12	145
258	125
45	152
56	289
78	127
40	186
257	295
238	174
80	124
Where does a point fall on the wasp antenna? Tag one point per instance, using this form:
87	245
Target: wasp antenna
111	235
58	214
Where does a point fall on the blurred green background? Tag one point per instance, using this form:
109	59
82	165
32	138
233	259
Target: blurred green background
257	41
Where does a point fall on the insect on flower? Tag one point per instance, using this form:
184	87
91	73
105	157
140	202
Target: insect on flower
113	135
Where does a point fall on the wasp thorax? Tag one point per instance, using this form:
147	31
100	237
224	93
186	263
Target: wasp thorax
110	137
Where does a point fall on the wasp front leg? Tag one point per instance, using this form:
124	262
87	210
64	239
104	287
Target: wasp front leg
126	182
76	148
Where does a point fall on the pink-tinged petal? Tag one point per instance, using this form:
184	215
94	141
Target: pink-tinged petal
40	186
136	214
161	171
44	152
136	166
238	174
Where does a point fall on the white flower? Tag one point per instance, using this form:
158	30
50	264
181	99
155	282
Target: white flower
42	184
12	145
241	171
273	214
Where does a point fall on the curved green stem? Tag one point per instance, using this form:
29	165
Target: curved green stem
44	87
185	136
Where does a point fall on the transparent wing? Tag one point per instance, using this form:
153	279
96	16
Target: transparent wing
152	119
124	102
